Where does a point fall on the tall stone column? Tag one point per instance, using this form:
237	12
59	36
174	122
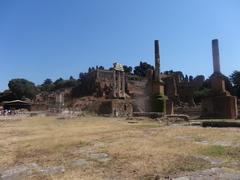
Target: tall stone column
216	56
114	83
123	84
157	61
119	83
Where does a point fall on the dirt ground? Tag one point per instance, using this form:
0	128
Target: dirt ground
108	148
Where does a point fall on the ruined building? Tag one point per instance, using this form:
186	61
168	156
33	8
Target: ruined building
109	89
181	89
114	92
106	83
219	104
120	94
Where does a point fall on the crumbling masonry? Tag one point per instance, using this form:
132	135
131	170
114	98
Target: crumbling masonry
219	104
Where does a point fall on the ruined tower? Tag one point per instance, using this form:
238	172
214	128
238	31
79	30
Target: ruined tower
160	102
217	80
158	85
216	56
157	61
220	103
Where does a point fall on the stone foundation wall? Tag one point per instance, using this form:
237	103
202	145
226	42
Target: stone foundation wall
193	111
116	107
220	107
105	108
122	108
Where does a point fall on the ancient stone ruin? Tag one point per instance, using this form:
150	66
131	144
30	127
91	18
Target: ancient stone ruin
114	92
159	102
219	104
118	104
121	94
180	89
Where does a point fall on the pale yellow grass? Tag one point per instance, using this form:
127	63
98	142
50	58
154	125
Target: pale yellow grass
136	150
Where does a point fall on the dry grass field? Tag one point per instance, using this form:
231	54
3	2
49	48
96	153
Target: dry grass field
107	148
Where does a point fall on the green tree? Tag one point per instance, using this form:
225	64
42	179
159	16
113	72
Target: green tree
142	69
71	78
47	85
235	78
61	83
22	88
200	94
6	95
58	81
101	68
228	84
127	69
47	82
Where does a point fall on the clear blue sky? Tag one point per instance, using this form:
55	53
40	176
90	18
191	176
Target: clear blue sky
42	39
